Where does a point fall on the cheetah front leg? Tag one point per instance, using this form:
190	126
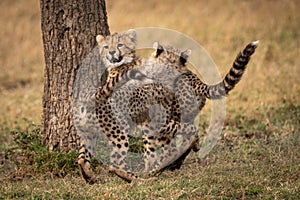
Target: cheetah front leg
84	163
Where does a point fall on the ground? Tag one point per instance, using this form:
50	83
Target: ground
257	156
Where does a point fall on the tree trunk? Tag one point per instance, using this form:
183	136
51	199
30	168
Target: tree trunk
69	29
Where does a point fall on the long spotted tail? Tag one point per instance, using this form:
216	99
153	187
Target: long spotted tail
234	75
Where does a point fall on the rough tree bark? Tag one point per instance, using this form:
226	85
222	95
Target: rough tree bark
69	29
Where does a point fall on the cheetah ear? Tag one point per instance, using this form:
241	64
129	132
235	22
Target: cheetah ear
131	34
184	56
186	53
99	39
159	49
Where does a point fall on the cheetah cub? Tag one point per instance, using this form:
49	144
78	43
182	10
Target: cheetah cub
115	50
189	90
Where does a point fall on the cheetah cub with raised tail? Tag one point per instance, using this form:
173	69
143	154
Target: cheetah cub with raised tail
190	91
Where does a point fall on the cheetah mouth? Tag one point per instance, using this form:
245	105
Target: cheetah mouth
116	60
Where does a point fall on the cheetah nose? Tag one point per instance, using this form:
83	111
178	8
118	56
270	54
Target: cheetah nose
112	53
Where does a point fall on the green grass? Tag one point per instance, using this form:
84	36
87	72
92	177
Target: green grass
246	173
252	164
257	156
30	157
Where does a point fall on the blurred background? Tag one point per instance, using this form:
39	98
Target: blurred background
222	27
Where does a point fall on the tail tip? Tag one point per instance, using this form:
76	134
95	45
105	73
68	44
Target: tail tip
255	43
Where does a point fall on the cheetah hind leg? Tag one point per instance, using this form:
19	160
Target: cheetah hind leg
84	164
150	154
177	153
118	164
125	175
191	139
178	163
173	154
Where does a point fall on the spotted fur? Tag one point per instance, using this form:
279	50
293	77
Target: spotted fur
114	50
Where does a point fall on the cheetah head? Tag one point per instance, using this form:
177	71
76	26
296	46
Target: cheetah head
170	56
117	49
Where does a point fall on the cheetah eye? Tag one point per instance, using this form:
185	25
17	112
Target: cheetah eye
105	47
120	45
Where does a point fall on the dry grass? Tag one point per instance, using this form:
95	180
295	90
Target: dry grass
21	64
259	155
